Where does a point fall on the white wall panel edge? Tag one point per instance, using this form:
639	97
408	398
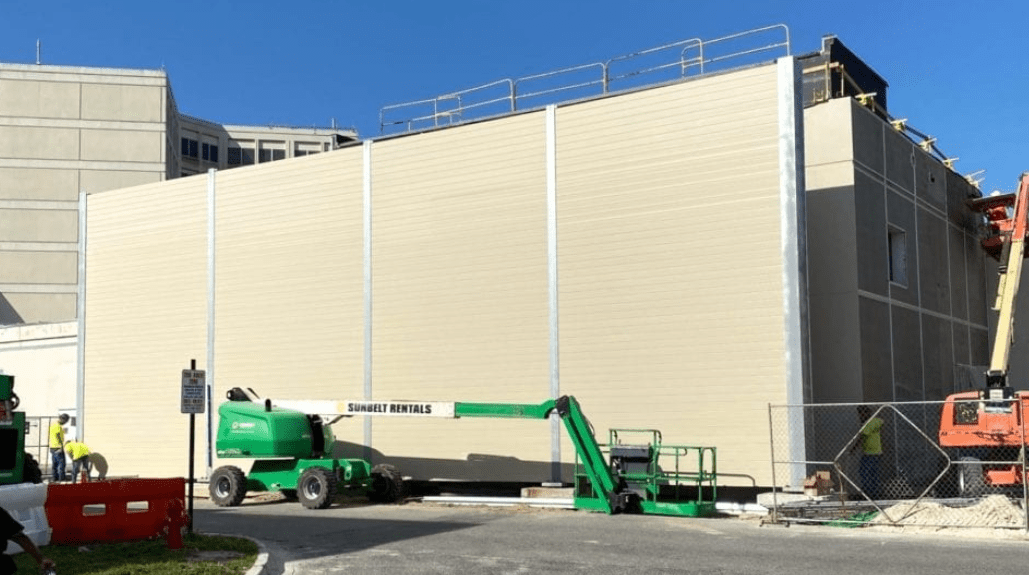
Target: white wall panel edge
793	245
366	177
552	269
80	376
211	268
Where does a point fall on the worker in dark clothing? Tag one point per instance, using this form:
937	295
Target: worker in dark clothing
11	530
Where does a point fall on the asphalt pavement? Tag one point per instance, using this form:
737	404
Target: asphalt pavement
356	537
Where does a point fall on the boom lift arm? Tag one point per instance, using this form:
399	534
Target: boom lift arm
1008	237
615	497
990	422
630	478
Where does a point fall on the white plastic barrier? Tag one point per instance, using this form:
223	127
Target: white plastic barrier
25	502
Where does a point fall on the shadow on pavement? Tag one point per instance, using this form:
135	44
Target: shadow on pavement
293	533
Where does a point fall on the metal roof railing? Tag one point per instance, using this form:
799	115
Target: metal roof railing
667	63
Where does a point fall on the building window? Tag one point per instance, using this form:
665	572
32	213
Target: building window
210	152
898	246
240	156
306	148
266	155
189	147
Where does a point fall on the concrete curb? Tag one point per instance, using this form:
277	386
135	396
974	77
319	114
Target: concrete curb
262	553
262	558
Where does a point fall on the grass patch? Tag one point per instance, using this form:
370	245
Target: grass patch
200	555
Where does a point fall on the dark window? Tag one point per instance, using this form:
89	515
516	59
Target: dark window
248	156
235	156
269	155
209	152
897	242
189	148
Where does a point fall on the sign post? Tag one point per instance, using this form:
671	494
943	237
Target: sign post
194	394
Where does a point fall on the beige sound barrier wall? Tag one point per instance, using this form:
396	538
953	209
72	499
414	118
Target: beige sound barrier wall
643	252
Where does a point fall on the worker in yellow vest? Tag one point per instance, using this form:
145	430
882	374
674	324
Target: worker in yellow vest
871	450
56	447
79	454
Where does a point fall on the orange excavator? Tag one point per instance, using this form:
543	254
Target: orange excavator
987	427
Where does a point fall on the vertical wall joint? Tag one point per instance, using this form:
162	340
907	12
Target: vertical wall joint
555	376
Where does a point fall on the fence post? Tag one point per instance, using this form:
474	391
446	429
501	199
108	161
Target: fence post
775	484
1025	488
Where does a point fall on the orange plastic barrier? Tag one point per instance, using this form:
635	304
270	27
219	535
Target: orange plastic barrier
117	510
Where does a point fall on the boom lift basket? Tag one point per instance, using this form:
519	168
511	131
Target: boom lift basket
658	490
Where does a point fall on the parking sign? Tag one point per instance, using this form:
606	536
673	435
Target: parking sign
194	392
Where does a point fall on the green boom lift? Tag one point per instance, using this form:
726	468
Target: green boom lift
289	442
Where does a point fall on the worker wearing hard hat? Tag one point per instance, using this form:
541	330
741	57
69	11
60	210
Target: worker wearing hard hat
79	454
56	443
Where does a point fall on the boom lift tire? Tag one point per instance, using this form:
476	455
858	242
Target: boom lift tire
228	486
387	485
970	477
31	471
316	488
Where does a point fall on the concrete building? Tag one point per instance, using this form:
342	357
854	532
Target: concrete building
65	130
898	280
729	249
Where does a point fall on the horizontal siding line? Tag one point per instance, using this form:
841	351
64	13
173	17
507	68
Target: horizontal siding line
678	123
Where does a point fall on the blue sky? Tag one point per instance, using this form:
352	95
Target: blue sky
958	71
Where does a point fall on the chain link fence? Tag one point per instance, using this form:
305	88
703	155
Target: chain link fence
37	444
826	470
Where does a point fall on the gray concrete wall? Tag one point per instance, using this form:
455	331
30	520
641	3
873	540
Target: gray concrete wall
832	255
878	337
62	130
69	129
